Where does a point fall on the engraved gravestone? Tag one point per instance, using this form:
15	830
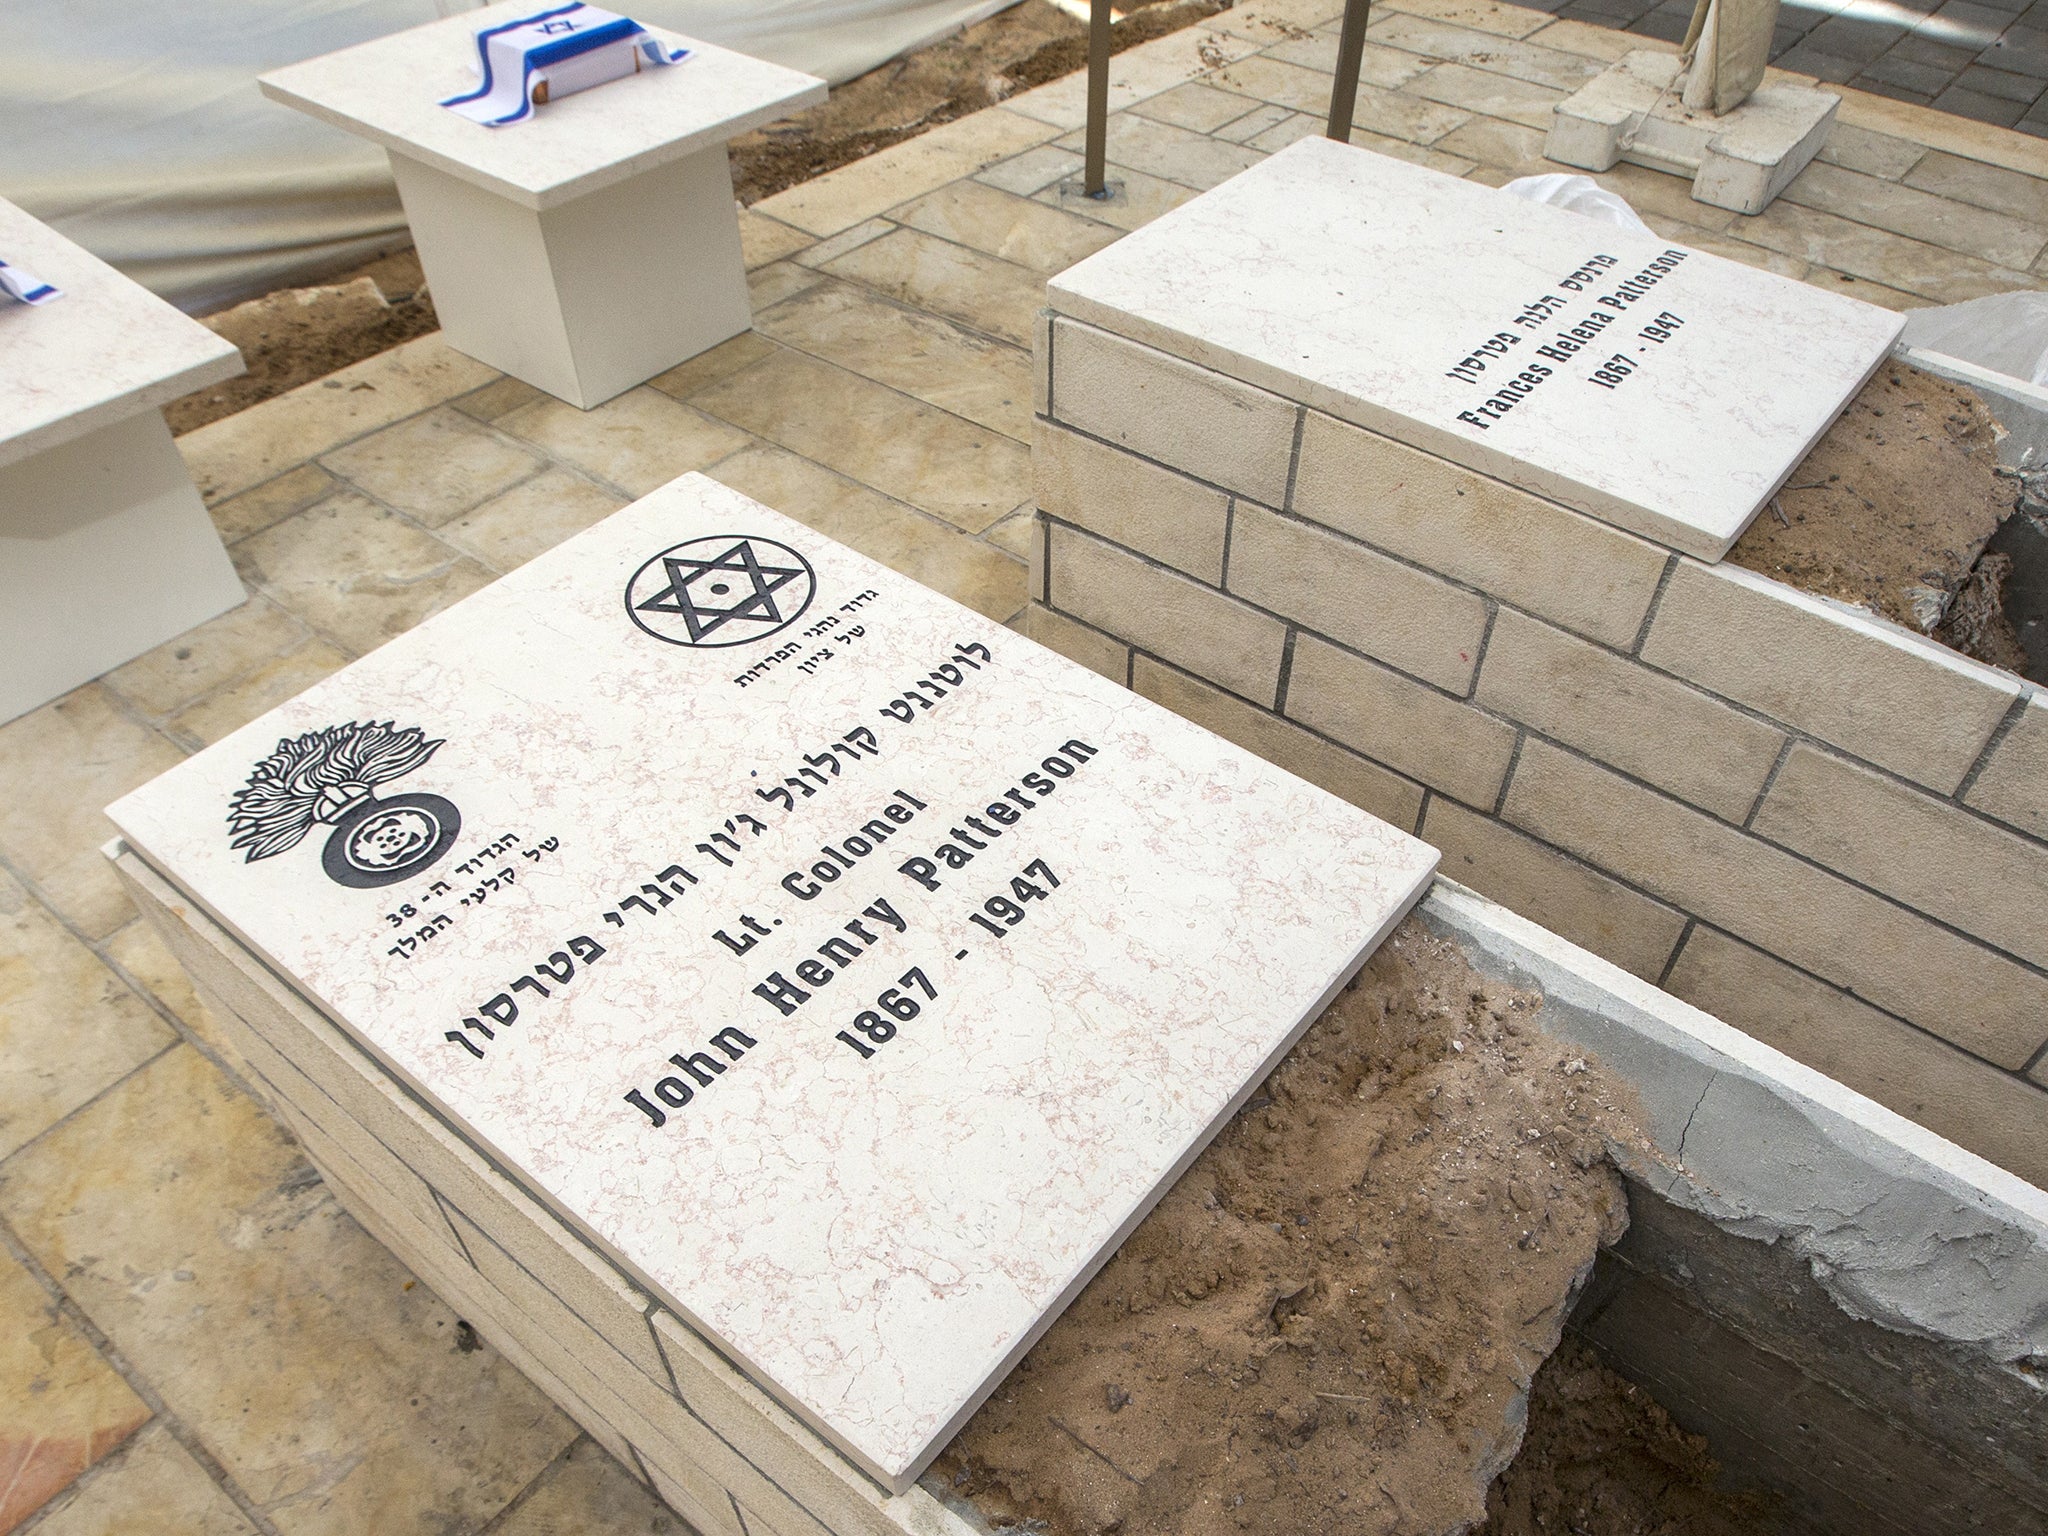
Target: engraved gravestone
1657	387
856	971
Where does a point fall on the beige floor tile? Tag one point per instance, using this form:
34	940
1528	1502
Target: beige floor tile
957	370
69	1027
764	240
1880	154
1593	42
1196	106
1399	115
1905	210
772	284
1944	131
918	454
1656	194
636	442
1490	95
1414	154
1260	120
190	1229
728	357
62	1407
356	572
1504	146
944	559
1272	78
1975	183
1378	64
164	680
289	494
433	467
589	1494
1138	201
1735	250
1481	15
1017	533
59	767
1485	51
151	1487
846	240
138	950
841	199
1160	149
497	399
1029	172
285	677
509	530
246	449
1827	240
991	295
1003	224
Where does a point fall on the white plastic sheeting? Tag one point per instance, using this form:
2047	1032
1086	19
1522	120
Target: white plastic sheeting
138	131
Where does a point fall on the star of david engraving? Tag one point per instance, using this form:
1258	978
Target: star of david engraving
720	591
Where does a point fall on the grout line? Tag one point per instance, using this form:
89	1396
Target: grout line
1507	778
1642	638
1286	672
1294	458
187	1438
546	1474
1763	792
2008	722
1677	949
1493	607
1229	528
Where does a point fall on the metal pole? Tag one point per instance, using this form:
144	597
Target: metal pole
1098	100
1350	56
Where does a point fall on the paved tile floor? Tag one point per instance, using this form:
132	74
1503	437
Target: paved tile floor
1982	59
194	1338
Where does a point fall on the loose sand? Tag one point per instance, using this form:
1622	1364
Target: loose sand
1330	1324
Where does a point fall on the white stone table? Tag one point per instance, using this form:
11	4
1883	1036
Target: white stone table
105	547
854	970
1661	389
587	248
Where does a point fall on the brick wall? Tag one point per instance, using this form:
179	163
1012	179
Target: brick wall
1826	830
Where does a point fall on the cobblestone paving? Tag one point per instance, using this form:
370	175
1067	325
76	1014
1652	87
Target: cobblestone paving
1981	59
194	1338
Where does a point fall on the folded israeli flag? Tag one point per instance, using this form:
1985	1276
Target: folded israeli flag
18	283
553	53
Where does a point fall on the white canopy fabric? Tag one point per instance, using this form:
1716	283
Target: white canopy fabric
139	132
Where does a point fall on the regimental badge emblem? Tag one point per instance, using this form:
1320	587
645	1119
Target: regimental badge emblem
331	776
718	591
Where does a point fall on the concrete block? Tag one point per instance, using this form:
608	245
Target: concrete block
2014	784
1740	160
1344	774
1394	720
1190	625
1574	571
1925	852
1871	688
1997	1116
1130	501
1077	642
1957	989
1190	418
1577	901
1357	596
1641	721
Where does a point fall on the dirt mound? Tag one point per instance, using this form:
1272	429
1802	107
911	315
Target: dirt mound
1331	1322
1892	509
1603	1458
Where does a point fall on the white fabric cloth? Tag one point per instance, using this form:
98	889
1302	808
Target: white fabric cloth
20	283
1579	194
138	131
551	54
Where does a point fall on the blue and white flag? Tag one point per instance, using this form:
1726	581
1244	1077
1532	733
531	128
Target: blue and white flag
551	54
19	283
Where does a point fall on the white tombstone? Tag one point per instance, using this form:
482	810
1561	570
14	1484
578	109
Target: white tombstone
105	547
855	970
588	247
1655	387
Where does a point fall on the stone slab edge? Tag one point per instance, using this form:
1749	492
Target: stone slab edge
1897	1225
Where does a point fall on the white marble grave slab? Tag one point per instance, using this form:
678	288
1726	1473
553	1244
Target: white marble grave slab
389	90
1420	306
876	1213
107	350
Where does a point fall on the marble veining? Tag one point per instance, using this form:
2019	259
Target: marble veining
1521	340
920	1133
388	90
107	350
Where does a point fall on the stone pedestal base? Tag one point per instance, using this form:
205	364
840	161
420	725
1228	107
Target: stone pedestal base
106	551
1741	161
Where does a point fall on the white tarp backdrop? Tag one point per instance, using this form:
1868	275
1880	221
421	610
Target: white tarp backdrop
140	133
